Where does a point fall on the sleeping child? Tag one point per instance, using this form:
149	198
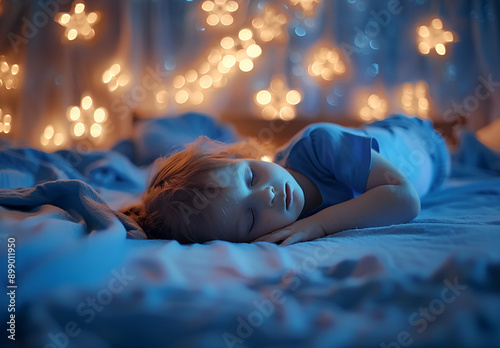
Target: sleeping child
326	179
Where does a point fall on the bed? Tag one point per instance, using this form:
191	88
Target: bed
84	276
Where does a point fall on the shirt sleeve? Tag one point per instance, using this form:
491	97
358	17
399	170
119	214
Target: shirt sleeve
343	153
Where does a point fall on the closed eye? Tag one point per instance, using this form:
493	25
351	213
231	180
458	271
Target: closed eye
252	221
251	177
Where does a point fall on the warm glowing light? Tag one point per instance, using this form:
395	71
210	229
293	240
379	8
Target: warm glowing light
161	97
87	119
415	99
293	97
237	52
79	129
8	74
77	23
99	115
266	158
191	75
254	51
79	8
271	24
307	6
50	136
206	81
263	97
246	65
48	132
219	12
373	107
227	43
5	122
181	96
86	102
437	23
95	130
15	69
325	63
433	37
65	18
58	139
277	101
440	49
114	77
73	113
245	34
228	61
114	69
178	81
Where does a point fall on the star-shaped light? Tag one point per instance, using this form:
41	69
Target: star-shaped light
8	74
325	63
271	24
77	22
219	12
278	101
307	6
239	51
433	37
415	99
87	119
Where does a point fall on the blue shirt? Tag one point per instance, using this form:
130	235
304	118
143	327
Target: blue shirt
338	159
335	158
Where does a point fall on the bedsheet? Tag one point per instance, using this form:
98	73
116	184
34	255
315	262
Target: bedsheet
84	278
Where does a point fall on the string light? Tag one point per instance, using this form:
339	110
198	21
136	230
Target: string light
271	24
77	22
113	77
51	137
307	6
433	37
5	122
373	107
219	12
9	74
415	99
277	101
87	119
189	89
161	97
325	63
232	53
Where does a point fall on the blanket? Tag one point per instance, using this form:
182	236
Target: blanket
83	277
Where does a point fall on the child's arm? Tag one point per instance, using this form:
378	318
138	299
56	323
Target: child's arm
389	199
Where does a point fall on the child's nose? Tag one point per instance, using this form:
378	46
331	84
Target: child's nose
267	196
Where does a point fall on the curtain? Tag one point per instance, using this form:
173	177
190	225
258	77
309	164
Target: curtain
77	73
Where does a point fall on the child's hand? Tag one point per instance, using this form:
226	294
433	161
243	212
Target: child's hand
300	231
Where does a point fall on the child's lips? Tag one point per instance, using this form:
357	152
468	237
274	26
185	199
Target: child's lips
288	196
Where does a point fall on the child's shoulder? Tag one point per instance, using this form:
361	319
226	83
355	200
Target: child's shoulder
321	128
313	136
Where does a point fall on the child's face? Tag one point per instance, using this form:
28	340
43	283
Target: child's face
258	197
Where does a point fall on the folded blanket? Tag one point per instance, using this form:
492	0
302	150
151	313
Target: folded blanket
80	202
